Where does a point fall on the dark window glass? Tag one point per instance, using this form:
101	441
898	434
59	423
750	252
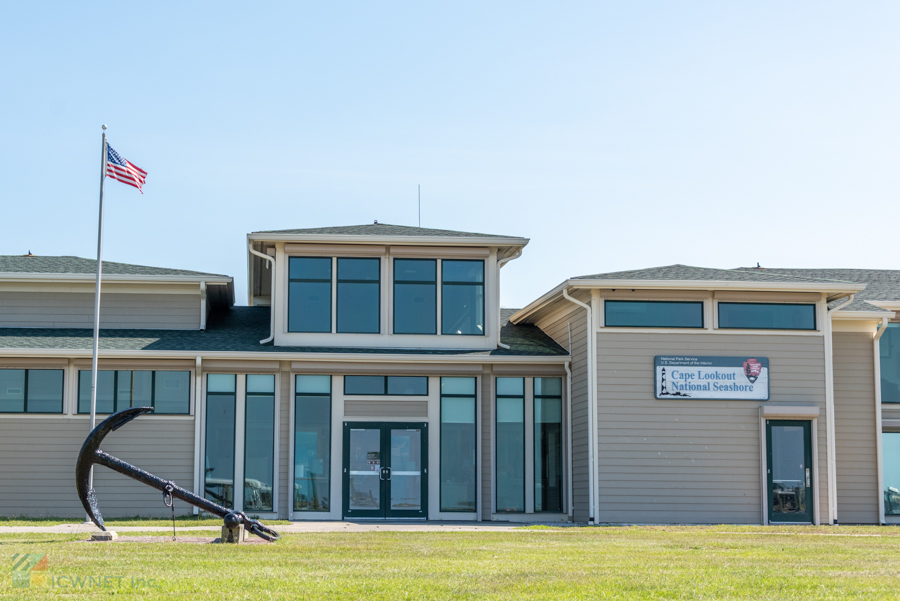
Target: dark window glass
45	391
309	295
889	345
218	479
168	392
653	314
358	296
415	296
548	447
259	443
458	443
312	444
462	298
12	390
392	385
890	444
510	450
767	316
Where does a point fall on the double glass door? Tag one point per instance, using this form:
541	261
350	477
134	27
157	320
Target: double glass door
789	459
385	470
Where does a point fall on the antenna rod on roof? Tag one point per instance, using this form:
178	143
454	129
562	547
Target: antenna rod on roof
420	205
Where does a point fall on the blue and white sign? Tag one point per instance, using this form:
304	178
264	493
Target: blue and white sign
712	378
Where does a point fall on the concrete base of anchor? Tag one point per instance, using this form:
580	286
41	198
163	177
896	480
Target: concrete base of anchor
233	535
106	536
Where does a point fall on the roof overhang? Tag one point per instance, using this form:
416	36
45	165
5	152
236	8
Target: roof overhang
121	278
833	290
863	315
498	242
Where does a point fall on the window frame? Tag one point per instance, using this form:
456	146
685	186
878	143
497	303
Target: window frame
116	408
385	393
337	292
524	397
481	284
331	293
25	410
329	429
474	397
562	440
437	292
813	306
247	395
702	325
234	456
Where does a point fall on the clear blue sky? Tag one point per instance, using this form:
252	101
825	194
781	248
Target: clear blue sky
615	135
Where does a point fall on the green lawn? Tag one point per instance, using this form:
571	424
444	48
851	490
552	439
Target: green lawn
180	521
532	563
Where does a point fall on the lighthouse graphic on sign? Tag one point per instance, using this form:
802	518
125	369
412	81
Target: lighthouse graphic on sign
662	387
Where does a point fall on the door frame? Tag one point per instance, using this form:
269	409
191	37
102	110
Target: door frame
802	414
385	427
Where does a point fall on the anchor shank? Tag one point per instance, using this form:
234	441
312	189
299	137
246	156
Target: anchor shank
126	469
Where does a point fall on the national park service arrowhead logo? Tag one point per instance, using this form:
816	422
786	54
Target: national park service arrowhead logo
752	369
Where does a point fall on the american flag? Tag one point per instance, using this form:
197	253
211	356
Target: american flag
121	170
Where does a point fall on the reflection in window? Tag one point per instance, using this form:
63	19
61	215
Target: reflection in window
767	316
312	443
415	296
168	392
889	345
458	440
31	390
218	473
890	445
390	385
548	463
510	452
653	314
309	294
462	297
358	296
259	443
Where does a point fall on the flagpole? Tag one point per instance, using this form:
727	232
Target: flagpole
97	300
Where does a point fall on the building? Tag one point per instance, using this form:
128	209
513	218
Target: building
373	374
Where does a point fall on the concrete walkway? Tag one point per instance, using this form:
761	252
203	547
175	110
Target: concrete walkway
296	527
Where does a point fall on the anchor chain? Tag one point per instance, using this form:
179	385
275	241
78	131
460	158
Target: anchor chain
169	501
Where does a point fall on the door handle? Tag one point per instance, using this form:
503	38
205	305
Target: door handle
381	474
388	473
807	477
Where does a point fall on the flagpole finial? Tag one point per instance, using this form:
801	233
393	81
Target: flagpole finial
104	126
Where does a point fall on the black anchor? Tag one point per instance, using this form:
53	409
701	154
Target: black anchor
91	454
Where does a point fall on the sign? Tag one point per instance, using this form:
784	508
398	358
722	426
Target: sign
712	378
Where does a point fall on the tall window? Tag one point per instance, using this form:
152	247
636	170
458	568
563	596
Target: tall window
312	443
218	479
415	296
767	316
259	443
168	392
458	442
889	345
548	464
358	296
31	391
462	297
309	294
890	445
510	453
653	314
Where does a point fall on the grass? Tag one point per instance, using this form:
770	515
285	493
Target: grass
183	521
717	562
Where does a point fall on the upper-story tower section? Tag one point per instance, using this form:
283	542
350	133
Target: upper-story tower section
380	286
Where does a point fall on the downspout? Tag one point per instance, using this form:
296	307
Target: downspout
829	411
500	264
592	391
568	366
271	261
202	305
878	456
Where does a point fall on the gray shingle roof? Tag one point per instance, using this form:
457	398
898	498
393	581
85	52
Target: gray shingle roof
881	284
382	229
239	330
77	265
688	272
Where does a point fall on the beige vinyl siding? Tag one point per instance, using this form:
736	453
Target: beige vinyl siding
557	326
37	466
686	461
385	409
854	425
117	310
487	451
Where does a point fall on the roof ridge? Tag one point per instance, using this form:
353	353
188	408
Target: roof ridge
792	277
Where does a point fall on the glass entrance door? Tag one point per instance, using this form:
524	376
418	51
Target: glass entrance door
385	470
789	471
